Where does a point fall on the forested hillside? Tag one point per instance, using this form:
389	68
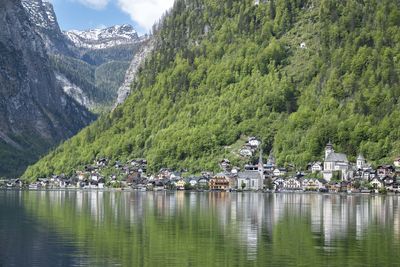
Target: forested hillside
294	73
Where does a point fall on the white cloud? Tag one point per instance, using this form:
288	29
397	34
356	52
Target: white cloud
95	4
144	12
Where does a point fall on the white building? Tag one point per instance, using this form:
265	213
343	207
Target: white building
396	163
335	162
316	167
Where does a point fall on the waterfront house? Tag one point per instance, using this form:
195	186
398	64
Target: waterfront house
279	183
219	182
376	183
292	184
203	182
313	184
192	181
180	184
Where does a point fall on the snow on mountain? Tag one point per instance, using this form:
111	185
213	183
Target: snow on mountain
41	13
103	38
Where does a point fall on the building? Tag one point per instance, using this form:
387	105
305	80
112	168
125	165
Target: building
219	182
360	162
252	178
316	167
335	162
396	162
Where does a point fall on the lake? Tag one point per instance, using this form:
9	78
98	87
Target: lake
90	228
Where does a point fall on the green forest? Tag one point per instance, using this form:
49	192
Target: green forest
294	73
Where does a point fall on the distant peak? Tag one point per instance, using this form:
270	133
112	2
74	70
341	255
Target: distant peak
103	37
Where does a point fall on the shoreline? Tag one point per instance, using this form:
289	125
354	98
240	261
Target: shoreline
195	191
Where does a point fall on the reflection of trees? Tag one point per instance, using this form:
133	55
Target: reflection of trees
201	229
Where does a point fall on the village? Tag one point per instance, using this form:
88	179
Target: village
334	174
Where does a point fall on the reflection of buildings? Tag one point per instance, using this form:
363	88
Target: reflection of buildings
249	219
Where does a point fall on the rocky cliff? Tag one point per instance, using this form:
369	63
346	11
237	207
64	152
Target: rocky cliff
35	113
44	20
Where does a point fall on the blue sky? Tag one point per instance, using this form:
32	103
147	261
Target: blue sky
89	14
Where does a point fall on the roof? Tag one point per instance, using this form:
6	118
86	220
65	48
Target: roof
249	174
360	157
336	157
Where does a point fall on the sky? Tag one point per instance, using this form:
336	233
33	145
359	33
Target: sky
89	14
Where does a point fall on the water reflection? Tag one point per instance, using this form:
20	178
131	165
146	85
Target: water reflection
213	229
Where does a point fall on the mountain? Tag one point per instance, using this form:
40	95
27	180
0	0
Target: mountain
35	113
293	73
103	38
90	65
42	16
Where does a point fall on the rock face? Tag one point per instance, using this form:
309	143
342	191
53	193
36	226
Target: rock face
81	55
35	113
103	38
42	16
145	49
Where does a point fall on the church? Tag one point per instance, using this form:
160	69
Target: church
335	162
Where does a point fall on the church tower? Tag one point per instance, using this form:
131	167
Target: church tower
328	149
260	163
360	161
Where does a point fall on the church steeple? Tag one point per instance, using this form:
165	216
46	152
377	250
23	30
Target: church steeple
260	163
328	149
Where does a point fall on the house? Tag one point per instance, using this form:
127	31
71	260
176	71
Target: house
253	142
279	183
203	182
368	175
279	172
225	164
102	162
246	152
292	184
396	162
235	170
316	167
95	177
219	182
313	184
192	181
180	184
376	183
385	170
388	182
335	162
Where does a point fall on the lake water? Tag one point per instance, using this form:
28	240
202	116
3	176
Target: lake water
81	228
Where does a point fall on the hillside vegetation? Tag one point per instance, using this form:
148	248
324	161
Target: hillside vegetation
294	73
